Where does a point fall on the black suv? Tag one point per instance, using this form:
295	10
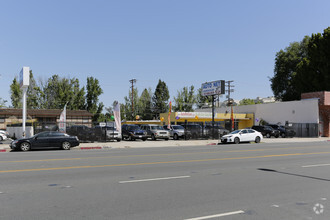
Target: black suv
133	132
266	131
284	131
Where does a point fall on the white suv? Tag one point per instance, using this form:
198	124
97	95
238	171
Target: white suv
156	131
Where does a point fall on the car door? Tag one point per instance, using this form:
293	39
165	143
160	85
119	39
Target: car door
56	139
244	135
41	140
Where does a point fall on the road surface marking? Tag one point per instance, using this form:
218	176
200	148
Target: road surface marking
316	165
150	155
161	162
218	215
162	178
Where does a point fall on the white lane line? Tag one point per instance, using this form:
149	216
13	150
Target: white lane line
146	180
316	165
218	215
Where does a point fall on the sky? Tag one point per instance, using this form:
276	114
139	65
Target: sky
181	42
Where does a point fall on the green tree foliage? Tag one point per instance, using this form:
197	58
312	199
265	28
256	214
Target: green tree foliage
60	91
185	100
33	94
145	105
78	100
247	102
202	100
160	99
3	103
16	94
303	67
126	109
92	97
313	72
283	83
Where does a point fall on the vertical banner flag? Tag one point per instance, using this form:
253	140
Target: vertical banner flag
116	112
169	116
62	125
232	119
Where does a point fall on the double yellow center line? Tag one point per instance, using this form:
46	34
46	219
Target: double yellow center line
161	162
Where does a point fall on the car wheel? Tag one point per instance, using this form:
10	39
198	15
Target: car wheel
1	139
257	140
283	135
166	139
277	136
66	145
236	140
118	140
153	137
131	138
268	135
25	146
144	139
175	137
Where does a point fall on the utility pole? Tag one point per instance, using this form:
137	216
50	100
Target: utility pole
230	102
132	81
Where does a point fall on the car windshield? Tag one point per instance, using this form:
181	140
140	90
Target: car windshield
178	127
133	128
235	132
157	128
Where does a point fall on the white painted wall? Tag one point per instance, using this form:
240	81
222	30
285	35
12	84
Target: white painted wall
304	111
18	131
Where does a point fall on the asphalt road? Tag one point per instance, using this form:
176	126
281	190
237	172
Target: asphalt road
245	181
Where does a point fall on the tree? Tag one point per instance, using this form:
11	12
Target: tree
3	103
185	100
16	94
33	94
145	105
313	72
92	98
127	107
78	100
202	100
284	83
247	102
160	99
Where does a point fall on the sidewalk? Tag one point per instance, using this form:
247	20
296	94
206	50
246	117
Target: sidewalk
172	143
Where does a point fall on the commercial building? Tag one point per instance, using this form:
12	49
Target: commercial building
242	120
43	116
309	117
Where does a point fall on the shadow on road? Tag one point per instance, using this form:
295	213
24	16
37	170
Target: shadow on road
293	174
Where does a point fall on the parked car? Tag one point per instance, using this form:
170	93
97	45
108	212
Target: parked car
284	131
133	132
45	140
266	131
219	131
176	131
193	130
3	135
155	132
112	133
83	132
242	135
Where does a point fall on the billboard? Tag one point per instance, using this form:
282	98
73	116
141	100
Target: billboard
213	88
24	77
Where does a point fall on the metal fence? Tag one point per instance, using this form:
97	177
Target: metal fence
88	132
305	129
